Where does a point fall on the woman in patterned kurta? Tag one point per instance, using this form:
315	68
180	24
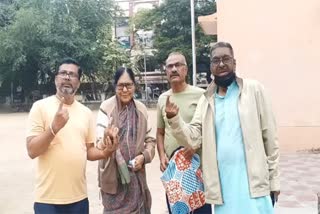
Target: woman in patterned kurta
128	191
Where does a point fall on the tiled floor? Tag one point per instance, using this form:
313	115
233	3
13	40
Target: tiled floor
300	182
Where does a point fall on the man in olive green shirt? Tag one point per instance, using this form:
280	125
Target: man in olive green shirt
186	97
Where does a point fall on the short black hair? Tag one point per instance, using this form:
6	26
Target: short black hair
221	45
69	60
120	72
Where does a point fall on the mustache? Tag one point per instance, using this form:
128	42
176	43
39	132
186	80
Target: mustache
175	75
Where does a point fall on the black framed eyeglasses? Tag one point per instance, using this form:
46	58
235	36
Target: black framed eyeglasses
128	85
70	75
224	60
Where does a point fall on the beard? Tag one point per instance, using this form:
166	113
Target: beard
67	91
226	80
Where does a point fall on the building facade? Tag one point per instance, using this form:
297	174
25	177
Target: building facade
277	43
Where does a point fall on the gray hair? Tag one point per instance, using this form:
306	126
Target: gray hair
177	53
221	45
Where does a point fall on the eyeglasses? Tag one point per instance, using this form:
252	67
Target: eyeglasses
70	75
224	60
128	85
177	65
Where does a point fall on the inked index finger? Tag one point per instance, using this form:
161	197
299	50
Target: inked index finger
61	103
110	122
115	131
168	101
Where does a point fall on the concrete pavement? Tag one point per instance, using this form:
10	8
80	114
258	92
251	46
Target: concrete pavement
300	176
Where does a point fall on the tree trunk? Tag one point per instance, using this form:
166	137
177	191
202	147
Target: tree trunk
93	86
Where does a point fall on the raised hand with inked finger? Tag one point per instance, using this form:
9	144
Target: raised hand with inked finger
171	109
111	139
60	118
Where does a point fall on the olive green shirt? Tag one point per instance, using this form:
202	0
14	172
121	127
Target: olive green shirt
187	101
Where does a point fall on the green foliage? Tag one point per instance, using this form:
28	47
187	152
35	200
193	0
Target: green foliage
171	22
35	34
6	13
140	22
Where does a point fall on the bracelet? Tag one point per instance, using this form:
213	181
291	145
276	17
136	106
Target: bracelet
52	132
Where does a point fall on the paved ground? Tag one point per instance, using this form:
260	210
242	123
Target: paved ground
300	178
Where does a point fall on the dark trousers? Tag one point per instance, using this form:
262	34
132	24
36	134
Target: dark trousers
80	207
205	209
273	199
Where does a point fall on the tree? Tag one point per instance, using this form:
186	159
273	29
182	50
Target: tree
6	13
171	22
20	48
38	33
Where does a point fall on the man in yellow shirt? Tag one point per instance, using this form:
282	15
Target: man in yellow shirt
61	136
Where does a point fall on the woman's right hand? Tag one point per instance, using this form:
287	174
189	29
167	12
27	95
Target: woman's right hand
111	140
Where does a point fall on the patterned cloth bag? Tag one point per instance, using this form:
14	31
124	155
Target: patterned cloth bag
183	183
